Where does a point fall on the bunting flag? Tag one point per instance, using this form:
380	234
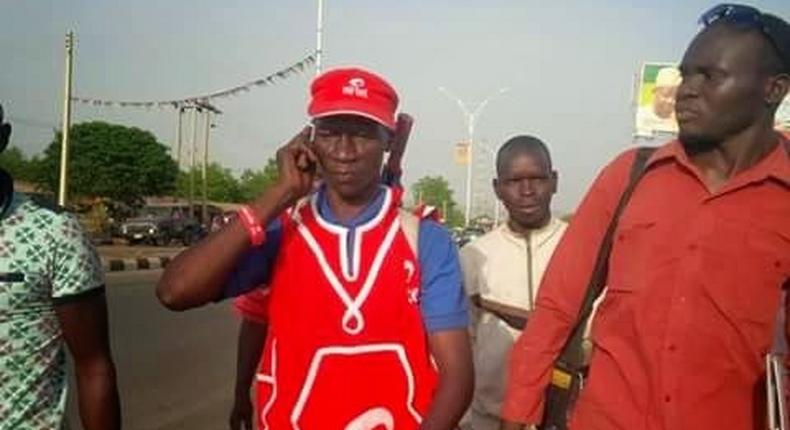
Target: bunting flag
176	104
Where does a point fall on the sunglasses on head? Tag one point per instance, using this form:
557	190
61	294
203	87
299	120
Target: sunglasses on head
743	16
733	13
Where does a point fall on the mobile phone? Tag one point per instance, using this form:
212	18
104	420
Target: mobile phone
311	139
304	162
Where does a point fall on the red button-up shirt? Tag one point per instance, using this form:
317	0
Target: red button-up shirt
693	294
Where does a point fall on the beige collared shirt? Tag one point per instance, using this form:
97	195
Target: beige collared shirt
503	267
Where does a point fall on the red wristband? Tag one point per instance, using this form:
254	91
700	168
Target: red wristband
253	225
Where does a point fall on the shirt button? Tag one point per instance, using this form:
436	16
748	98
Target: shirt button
672	348
667	399
693	247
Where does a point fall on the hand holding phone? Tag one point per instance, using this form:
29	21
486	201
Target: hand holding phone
305	163
296	163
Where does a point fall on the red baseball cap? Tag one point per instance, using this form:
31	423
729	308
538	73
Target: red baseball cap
353	91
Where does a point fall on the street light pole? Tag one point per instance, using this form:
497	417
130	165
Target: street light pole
470	124
492	152
319	38
471	117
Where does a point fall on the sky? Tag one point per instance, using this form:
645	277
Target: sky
569	66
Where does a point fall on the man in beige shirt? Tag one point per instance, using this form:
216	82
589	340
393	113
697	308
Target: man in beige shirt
502	269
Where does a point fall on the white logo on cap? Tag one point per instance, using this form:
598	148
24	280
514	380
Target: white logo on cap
356	88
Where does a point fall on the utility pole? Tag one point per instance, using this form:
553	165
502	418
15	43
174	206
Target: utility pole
204	208
192	154
64	141
209	109
178	135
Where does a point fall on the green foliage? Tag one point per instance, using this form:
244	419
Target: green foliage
253	183
109	160
221	185
435	191
19	166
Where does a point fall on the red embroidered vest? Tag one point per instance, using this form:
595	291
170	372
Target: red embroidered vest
347	348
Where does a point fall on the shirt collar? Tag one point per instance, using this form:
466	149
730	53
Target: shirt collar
367	214
776	164
539	236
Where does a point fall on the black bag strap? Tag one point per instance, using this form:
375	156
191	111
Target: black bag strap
572	356
6	192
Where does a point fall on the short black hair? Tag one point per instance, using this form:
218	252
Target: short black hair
521	145
779	42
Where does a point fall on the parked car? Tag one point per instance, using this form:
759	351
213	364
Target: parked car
162	225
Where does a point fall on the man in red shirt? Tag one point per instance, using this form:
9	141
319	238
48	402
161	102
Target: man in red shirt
700	259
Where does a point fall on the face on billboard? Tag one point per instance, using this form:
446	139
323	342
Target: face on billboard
656	105
664	101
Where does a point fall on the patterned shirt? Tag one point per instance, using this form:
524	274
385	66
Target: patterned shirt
45	259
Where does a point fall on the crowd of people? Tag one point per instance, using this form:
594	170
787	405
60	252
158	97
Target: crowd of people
359	315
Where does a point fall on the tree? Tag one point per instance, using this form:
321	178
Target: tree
110	160
253	183
18	166
221	186
435	191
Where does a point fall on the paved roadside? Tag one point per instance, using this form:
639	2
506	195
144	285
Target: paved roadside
176	370
117	258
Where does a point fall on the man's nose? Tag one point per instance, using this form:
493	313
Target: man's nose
526	187
345	148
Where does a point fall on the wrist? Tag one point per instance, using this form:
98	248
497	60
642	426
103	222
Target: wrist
274	200
252	224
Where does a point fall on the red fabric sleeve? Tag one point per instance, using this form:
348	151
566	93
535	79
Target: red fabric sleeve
254	305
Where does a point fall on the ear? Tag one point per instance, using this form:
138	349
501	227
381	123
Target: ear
5	134
554	181
777	88
495	185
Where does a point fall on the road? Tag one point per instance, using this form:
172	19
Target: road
175	370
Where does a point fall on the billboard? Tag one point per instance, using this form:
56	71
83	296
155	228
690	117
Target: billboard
655	104
655	101
462	153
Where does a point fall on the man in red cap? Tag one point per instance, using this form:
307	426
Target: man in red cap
252	308
355	305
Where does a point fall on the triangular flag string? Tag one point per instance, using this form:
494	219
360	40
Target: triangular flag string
234	91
